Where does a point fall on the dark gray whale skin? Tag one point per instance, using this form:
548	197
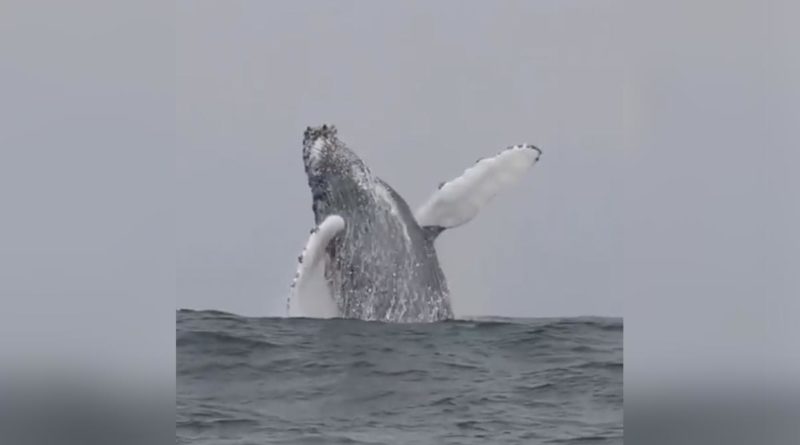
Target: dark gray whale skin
383	265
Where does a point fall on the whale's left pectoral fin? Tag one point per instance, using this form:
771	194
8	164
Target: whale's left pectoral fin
306	297
459	200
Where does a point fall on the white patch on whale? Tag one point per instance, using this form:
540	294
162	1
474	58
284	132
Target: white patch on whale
459	200
304	299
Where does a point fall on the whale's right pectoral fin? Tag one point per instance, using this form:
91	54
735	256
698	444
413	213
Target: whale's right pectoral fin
307	298
459	200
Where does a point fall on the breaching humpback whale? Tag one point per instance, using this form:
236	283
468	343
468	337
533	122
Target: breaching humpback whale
370	255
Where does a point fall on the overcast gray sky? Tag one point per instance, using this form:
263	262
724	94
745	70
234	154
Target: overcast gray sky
649	187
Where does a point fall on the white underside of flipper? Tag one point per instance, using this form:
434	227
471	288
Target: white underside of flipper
309	295
459	200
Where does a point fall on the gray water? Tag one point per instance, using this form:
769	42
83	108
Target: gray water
494	380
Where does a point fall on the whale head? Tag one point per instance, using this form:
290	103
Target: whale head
337	176
320	147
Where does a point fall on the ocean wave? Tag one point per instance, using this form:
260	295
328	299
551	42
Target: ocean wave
274	380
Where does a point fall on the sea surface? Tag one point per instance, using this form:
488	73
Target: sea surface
247	380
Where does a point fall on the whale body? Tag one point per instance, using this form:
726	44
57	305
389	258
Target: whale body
370	256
